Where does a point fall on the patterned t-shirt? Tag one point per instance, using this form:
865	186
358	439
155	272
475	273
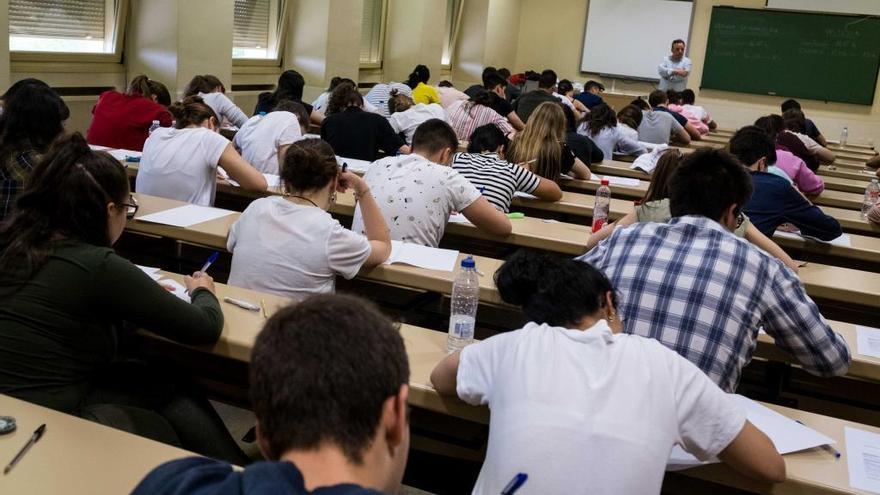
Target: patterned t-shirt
495	178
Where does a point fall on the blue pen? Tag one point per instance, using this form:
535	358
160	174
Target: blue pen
518	481
211	260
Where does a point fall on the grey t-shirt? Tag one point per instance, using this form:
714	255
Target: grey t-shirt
656	127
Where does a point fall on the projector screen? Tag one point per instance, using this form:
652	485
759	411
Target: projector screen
629	38
867	7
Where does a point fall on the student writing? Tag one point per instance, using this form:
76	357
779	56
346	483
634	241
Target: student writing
123	120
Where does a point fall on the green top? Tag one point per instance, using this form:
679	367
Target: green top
658	211
60	326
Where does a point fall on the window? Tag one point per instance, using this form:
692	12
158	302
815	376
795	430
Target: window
372	33
256	29
70	26
453	19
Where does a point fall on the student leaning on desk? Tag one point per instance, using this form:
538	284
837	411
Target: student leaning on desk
64	295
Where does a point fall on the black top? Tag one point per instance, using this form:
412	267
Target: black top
60	327
775	202
588	99
789	142
584	148
567	159
527	103
266	103
811	130
681	119
354	133
497	103
474	89
202	476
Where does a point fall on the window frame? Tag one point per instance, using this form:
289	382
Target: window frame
280	34
119	19
383	22
452	40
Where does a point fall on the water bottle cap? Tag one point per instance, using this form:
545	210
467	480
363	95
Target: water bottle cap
262	114
604	182
468	262
155	121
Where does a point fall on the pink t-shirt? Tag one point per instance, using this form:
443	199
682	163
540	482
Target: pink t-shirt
804	178
693	119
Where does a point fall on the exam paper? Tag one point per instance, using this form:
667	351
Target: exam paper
786	434
868	341
357	166
843	241
121	155
151	271
422	256
458	218
95	147
520	194
616	181
176	288
272	180
185	216
863	459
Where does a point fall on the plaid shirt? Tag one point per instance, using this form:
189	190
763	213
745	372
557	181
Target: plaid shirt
13	174
704	293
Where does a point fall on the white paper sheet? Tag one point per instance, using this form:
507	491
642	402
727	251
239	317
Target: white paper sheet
422	256
272	180
863	459
357	166
121	155
95	147
786	434
616	181
176	288
520	194
185	216
458	218
151	271
868	341
843	241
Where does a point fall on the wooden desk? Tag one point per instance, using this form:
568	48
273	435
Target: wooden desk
75	456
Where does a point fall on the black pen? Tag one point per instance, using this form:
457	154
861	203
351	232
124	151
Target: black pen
38	433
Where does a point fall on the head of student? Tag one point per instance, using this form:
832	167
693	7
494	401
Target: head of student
794	120
486	72
446	83
343	96
33	117
772	125
297	109
674	97
74	193
658	188
594	87
789	105
421	74
329	377
564	87
710	183
194	112
547	81
630	116
290	86
557	290
435	140
541	141
640	104
688	97
336	81
504	72
487	138
144	86
496	84
204	84
399	102
753	147
678	47
600	117
658	98
310	167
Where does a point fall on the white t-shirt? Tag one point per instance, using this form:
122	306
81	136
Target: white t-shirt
292	250
416	197
181	164
699	112
628	131
590	412
320	103
224	108
261	136
408	120
565	101
812	146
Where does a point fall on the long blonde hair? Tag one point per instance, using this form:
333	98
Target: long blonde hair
541	141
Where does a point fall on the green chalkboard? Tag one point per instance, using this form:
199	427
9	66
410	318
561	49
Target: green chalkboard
770	52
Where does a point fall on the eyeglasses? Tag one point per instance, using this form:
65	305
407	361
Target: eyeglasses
740	219
131	208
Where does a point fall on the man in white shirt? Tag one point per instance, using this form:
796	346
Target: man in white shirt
263	139
417	192
675	69
406	116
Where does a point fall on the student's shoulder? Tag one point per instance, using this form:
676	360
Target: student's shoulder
191	475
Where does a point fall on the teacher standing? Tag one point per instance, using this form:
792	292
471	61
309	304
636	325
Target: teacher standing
674	69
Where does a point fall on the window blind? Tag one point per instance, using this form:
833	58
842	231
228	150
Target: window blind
251	24
371	32
70	19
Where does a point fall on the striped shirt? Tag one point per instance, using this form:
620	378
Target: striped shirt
704	293
465	116
380	93
495	178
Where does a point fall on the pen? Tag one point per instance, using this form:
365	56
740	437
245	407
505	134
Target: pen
209	262
344	167
263	305
38	433
827	448
518	481
242	304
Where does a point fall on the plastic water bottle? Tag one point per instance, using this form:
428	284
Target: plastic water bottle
602	205
843	135
155	125
463	306
872	197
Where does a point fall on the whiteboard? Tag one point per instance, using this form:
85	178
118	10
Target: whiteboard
867	7
629	38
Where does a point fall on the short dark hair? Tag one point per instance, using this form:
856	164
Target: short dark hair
688	97
790	104
640	103
750	144
297	109
343	96
487	137
552	289
433	135
564	86
600	117
794	120
548	79
504	72
320	372
675	42
631	116
771	124
593	84
657	97
445	84
494	80
707	183
487	72
309	164
673	96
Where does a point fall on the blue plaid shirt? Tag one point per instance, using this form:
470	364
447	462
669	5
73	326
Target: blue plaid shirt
13	175
703	292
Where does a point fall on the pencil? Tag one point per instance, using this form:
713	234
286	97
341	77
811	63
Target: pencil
263	306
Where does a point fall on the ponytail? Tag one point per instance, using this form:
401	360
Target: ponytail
192	111
309	164
144	86
421	74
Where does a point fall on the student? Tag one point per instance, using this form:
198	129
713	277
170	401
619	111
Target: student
350	436
810	128
64	295
33	117
676	105
583	148
473	89
710	292
290	87
320	103
688	99
379	95
774	201
264	139
417	193
658	125
449	95
211	90
565	94
541	146
496	86
628	120
289	245
497	179
465	116
512	91
528	102
123	120
795	123
590	96
654	207
603	129
354	133
181	162
418	82
774	126
659	101
572	387
796	170
405	115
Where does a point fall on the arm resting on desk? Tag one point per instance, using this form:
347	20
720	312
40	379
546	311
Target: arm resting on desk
752	454
444	376
485	217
